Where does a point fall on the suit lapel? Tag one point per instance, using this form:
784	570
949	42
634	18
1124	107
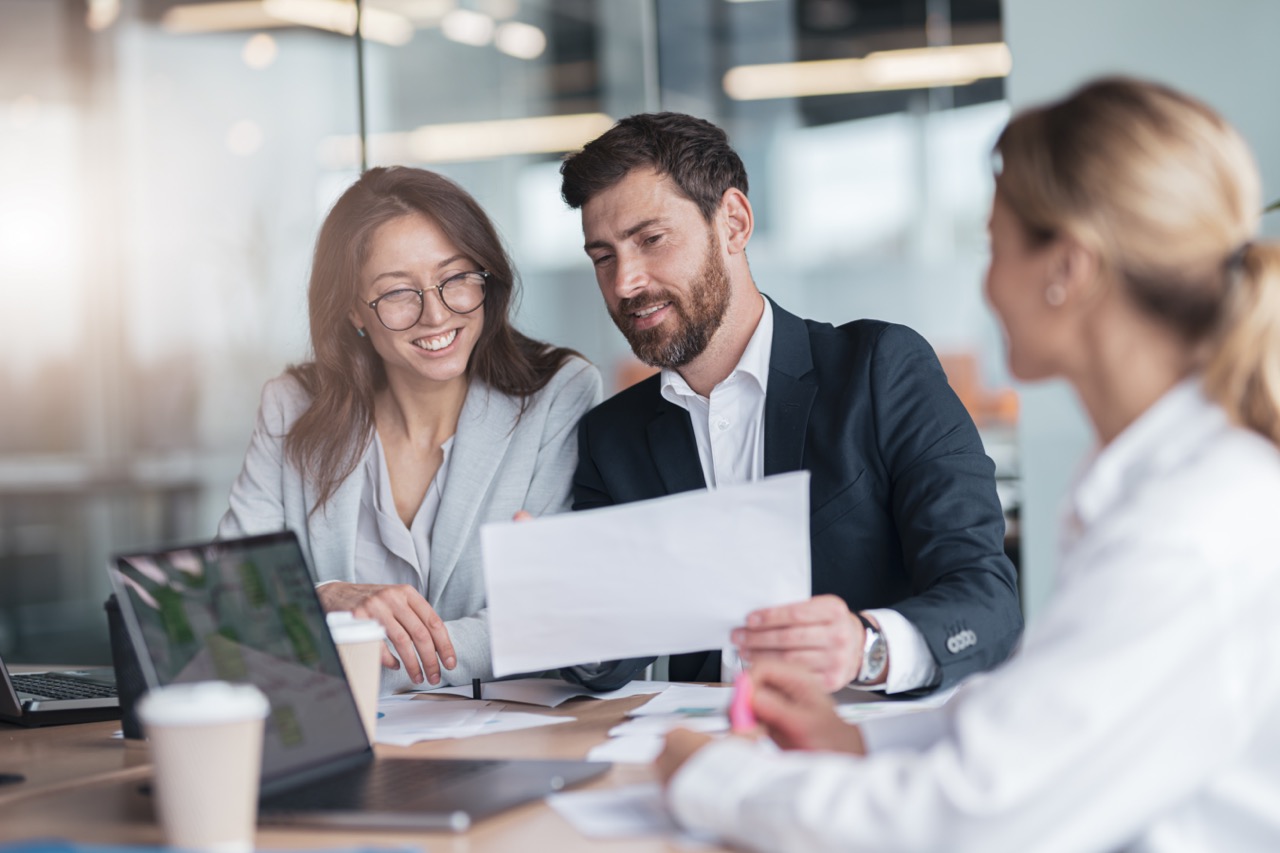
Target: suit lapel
485	427
331	532
674	450
789	399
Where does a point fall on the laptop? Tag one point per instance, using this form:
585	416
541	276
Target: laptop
55	698
245	610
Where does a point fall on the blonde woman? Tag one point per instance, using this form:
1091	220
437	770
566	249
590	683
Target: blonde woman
1141	710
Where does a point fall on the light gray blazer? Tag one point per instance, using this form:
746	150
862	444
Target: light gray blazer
501	462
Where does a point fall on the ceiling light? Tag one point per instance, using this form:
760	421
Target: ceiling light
467	27
523	41
500	9
917	68
421	12
259	51
101	14
339	16
464	141
218	17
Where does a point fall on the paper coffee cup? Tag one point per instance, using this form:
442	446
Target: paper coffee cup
206	752
359	643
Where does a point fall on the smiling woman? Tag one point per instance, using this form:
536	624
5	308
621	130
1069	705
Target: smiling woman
423	415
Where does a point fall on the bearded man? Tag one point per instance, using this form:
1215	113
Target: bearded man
912	588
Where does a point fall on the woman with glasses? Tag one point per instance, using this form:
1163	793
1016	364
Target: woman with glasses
422	415
1140	712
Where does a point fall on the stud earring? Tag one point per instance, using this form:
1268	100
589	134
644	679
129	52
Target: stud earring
1056	295
360	331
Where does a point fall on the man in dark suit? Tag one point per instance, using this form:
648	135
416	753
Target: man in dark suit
912	589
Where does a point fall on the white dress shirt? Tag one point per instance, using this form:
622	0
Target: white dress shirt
1140	712
728	427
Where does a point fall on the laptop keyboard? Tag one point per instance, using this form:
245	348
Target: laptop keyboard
51	686
378	783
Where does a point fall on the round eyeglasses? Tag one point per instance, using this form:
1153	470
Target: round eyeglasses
401	309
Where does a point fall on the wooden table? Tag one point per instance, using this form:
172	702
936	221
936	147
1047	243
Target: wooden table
83	785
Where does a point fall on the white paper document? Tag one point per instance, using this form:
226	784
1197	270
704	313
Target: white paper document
403	721
657	577
547	692
628	749
660	724
687	700
635	810
853	708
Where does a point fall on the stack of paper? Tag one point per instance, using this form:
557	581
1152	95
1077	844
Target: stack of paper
860	709
547	692
635	810
404	720
689	700
640	739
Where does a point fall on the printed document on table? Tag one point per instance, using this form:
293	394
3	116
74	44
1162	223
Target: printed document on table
665	576
404	720
634	811
547	692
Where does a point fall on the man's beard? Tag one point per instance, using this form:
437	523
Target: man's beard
683	336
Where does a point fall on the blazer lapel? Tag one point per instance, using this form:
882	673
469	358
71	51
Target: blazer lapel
674	450
789	399
331	532
485	427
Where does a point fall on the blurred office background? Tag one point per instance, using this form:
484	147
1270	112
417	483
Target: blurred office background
164	167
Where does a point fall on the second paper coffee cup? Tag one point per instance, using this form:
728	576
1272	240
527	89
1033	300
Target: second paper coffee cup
359	643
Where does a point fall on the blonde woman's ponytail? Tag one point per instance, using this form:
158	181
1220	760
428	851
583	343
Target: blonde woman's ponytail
1243	369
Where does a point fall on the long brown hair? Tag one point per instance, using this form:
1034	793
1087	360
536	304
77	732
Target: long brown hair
328	439
1168	195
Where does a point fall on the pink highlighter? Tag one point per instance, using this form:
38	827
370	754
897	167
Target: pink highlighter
741	717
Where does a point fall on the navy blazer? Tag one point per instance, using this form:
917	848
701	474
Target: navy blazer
903	506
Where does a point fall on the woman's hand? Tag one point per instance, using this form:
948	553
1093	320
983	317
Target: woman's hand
681	745
414	628
797	712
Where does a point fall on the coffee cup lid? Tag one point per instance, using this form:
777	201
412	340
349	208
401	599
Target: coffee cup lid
202	703
346	628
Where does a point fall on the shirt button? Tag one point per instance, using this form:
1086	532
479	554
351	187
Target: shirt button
722	424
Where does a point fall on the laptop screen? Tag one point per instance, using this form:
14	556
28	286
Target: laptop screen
245	610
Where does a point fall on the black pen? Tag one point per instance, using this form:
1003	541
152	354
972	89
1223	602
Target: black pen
475	688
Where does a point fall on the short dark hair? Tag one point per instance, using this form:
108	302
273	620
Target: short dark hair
693	153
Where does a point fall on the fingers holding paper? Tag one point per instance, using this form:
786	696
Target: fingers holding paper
413	627
819	636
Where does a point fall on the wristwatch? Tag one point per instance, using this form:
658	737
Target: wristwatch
875	653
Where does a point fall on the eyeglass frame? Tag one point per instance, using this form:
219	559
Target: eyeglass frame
485	275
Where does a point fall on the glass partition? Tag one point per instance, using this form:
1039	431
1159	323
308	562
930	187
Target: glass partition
164	166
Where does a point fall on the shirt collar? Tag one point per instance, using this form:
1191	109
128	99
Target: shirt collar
1160	439
754	362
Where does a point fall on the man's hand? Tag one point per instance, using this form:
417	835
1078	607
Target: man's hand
681	745
797	712
413	626
819	636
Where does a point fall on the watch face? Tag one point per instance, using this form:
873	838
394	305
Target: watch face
874	661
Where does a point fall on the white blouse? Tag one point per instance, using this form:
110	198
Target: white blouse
388	552
1142	711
